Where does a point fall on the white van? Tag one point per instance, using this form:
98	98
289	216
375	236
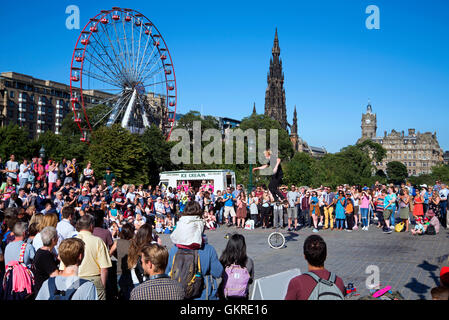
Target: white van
220	179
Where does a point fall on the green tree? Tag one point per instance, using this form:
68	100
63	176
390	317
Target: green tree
300	170
119	149
14	140
440	173
427	179
187	120
396	172
52	144
377	151
157	153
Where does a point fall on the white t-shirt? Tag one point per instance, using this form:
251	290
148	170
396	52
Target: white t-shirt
24	173
131	196
12	165
88	173
444	193
52	176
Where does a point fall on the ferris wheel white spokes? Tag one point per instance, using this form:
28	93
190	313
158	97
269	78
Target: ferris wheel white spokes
121	55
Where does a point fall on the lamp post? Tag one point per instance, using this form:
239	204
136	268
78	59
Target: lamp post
251	160
42	153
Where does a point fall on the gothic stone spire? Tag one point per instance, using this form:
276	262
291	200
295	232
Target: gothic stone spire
275	93
294	129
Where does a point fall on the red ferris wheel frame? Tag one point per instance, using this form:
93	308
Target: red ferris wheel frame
77	66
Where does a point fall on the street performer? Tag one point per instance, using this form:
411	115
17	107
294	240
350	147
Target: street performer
276	178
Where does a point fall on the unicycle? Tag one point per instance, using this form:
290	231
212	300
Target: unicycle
276	240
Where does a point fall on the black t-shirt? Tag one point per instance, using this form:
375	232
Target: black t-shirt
279	174
45	264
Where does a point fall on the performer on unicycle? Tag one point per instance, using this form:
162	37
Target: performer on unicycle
276	178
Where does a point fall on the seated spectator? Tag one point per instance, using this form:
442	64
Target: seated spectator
211	268
45	264
235	261
303	287
433	220
140	221
12	251
210	220
159	286
71	253
440	293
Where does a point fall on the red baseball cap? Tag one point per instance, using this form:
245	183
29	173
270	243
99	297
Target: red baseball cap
444	276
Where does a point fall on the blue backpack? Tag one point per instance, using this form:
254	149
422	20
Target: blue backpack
56	294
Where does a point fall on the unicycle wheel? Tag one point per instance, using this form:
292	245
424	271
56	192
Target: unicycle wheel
276	240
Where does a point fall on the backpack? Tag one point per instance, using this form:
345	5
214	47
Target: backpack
186	269
399	227
18	281
431	230
56	294
325	289
236	281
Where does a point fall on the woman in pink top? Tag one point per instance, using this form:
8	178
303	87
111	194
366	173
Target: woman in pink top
365	201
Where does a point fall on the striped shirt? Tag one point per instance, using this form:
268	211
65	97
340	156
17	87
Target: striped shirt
158	289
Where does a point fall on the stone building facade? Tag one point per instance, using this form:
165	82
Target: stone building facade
419	152
37	105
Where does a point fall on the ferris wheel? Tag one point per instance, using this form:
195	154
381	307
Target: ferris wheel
122	63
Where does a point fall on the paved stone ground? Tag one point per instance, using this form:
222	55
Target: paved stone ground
409	264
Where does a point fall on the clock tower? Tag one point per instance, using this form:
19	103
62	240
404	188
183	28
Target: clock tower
369	123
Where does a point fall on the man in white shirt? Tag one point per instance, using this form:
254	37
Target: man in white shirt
444	192
12	168
65	228
24	173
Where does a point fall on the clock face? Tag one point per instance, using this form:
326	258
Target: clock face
367	121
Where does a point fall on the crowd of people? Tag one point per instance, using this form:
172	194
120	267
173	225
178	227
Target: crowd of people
70	233
67	236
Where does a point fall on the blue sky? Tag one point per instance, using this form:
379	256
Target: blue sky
221	52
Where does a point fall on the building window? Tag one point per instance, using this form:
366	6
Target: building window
31	116
11	94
